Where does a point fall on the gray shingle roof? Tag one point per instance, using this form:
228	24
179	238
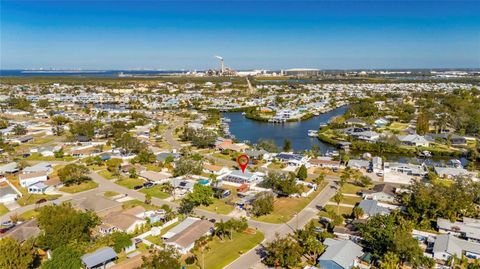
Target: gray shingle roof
342	252
371	208
99	257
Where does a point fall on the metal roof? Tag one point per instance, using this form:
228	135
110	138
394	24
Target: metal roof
100	256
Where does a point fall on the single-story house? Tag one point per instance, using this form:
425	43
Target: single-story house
450	172
358	164
21	139
371	208
340	254
414	140
97	203
161	157
99	259
324	163
185	240
291	158
256	154
369	136
32	178
355	121
37	188
39	167
215	169
238	177
180	227
381	122
381	192
157	177
447	245
468	229
9	168
455	140
7	193
24	231
121	221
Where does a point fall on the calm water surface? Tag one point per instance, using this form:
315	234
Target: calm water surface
246	129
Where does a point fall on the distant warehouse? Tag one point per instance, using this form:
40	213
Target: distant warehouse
301	72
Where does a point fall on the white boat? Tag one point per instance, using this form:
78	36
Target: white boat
312	133
244	113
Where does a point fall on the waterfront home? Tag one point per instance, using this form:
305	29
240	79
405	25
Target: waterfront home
291	158
381	192
340	254
377	164
184	241
414	140
455	140
227	144
369	136
447	245
99	259
256	154
402	173
451	172
371	208
358	164
468	229
324	163
356	122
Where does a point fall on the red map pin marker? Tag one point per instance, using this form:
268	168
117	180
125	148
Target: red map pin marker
242	161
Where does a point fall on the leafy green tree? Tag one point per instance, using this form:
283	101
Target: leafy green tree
129	144
338	197
422	123
283	252
185	165
43	103
144	157
200	138
390	261
16	255
262	204
222	229
19	129
357	212
310	242
302	172
201	195
3	124
161	258
267	145
121	241
20	103
320	178
83	128
59	153
65	257
62	225
281	183
113	165
73	174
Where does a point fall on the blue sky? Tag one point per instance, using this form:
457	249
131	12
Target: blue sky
248	34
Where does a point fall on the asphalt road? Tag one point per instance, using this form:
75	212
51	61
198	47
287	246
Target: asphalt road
168	135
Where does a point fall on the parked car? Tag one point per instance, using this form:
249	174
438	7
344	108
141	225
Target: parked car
138	187
148	185
41	201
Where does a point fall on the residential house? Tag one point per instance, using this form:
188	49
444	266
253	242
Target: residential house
381	192
184	241
356	122
238	177
358	164
447	245
403	173
371	208
21	139
468	229
377	164
7	192
381	122
455	140
9	168
215	169
256	154
451	172
124	221
29	179
291	158
228	144
155	177
39	167
24	231
324	163
37	188
414	140
99	259
161	157
340	254
369	136
180	227
97	203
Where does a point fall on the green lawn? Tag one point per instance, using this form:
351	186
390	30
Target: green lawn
351	188
130	182
341	210
157	240
106	174
222	253
39	157
155	191
29	214
153	167
350	200
3	210
219	206
285	208
87	185
28	199
134	203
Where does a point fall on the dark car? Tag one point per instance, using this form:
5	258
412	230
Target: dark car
41	201
148	185
138	187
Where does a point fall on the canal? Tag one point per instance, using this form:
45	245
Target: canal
252	131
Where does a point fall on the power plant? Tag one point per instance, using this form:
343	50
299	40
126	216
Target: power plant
222	64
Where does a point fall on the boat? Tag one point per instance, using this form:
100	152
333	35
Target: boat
312	133
243	113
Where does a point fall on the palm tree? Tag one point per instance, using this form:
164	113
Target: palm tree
338	197
221	229
202	244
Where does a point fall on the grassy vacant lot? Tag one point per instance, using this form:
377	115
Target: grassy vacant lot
351	200
134	203
222	253
106	174
28	199
219	206
156	191
3	210
351	188
130	182
285	207
341	210
87	185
